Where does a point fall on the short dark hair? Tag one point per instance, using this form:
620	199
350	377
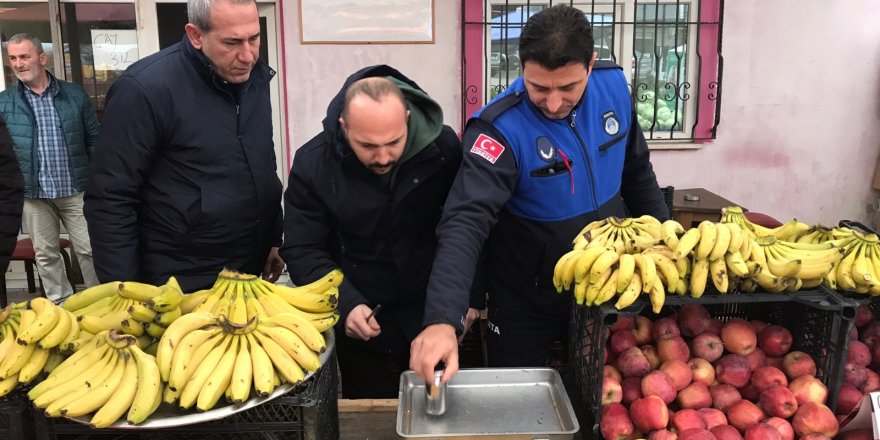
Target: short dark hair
374	87
557	36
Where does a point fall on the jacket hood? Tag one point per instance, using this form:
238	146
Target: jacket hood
426	116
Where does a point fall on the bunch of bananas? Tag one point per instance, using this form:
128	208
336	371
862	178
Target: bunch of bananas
32	347
625	259
820	234
203	357
627	235
716	250
240	297
137	309
777	265
789	231
109	375
859	268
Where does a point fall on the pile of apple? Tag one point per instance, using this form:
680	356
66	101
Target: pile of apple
860	374
691	377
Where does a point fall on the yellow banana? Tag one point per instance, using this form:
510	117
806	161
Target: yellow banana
262	368
722	242
860	267
293	345
169	298
666	268
242	373
99	307
110	321
55	359
192	300
736	236
75	383
844	270
626	268
74	366
15	359
189	354
141	312
302	327
708	238
219	379
121	399
558	275
54	408
591	291
34	365
691	238
304	298
606	291
718	270
63	328
584	261
580	291
98	395
91	295
47	315
746	249
175	333
735	263
779	265
699	277
630	294
238	307
647	271
149	389
203	371
286	366
138	291
166	318
670	231
658	297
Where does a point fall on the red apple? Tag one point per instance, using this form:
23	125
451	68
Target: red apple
848	399
766	377
786	432
679	372
870	333
873	383
693	319
707	346
687	419
621	341
815	418
651	355
778	402
664	327
657	383
623	323
762	431
702	371
649	413
757	326
739	338
775	340
756	359
610	371
611	391
726	432
858	353
808	389
750	393
715	326
814	436
723	396
712	417
743	414
875	355
771	361
642	330
663	434
695	396
632	363
797	363
855	375
672	348
696	434
615	423
733	369
632	389
863	316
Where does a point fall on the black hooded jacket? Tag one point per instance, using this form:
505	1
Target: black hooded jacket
183	180
339	214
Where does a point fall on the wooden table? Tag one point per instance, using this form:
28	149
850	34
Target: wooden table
691	212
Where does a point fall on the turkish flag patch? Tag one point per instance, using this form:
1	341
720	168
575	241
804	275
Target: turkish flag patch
487	148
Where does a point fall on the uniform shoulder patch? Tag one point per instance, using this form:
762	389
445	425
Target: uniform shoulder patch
487	148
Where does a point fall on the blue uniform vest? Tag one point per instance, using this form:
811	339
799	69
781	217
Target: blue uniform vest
592	138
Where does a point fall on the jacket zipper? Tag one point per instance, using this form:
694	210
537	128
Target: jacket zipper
588	163
604	147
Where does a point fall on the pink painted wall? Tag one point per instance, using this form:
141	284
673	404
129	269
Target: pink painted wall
800	120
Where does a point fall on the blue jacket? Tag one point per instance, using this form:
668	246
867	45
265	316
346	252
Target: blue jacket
78	122
528	184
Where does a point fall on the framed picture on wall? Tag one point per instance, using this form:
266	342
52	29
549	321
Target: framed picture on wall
366	21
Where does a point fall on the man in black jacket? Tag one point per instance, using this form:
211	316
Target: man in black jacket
365	196
11	197
183	181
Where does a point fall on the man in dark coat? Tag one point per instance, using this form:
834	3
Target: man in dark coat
11	197
365	196
183	181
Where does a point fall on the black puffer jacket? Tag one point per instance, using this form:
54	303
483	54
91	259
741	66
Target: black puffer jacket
183	180
11	197
340	214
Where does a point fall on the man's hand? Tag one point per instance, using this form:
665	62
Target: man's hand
274	266
357	326
472	316
437	342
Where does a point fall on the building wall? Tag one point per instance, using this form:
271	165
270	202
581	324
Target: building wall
800	124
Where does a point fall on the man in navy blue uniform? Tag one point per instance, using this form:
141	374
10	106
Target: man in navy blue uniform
560	147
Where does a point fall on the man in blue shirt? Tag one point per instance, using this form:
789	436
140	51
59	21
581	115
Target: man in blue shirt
560	147
54	129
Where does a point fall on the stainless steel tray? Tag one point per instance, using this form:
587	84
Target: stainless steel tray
496	403
167	416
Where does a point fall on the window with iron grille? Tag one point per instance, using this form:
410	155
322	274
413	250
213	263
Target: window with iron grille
670	52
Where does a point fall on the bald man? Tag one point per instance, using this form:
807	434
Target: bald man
365	196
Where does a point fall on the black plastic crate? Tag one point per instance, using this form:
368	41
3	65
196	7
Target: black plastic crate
15	417
819	322
309	412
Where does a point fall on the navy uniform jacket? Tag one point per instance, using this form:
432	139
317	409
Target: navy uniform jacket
528	184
